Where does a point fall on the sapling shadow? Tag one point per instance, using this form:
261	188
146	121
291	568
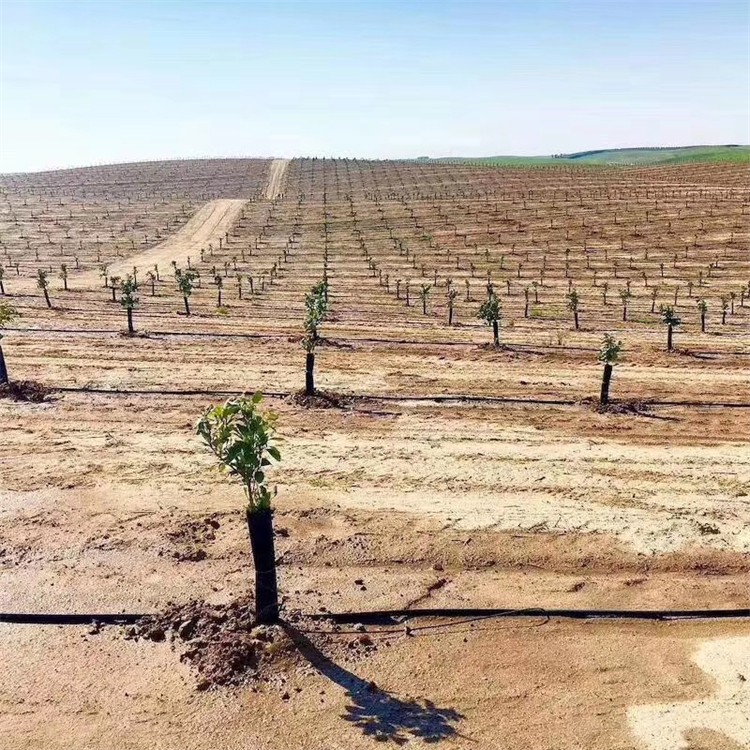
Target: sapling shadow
375	712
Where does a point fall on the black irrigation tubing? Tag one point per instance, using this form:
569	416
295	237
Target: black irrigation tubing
345	340
23	618
395	616
398	616
160	391
290	335
445	398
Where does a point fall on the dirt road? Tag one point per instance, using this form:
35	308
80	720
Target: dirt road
208	224
276	178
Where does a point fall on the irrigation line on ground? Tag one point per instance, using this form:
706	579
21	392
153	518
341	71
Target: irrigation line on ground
446	398
398	616
545	348
379	617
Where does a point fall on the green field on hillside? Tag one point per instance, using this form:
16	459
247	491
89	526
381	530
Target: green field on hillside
621	156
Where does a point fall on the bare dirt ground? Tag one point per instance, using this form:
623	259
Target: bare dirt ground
276	178
108	502
209	224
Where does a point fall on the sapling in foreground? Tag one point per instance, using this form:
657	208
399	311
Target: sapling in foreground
609	354
219	285
129	299
451	295
671	321
185	283
574	302
115	283
316	307
424	292
243	439
489	312
43	283
7	315
702	309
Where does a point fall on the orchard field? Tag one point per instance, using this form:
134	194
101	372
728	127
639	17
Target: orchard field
449	472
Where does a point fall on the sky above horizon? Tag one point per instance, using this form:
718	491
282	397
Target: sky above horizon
100	82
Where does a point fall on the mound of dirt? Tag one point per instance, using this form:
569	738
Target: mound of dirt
625	406
227	647
223	644
24	390
322	400
191	537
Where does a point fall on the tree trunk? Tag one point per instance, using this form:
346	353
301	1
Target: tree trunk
2	288
703	323
219	301
624	314
187	306
46	297
260	526
575	318
3	368
495	333
310	374
114	289
130	321
669	338
606	379
450	316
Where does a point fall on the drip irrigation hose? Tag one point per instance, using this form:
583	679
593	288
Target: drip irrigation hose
24	618
434	399
397	616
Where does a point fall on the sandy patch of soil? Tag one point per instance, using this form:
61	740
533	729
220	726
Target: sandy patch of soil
725	712
276	178
207	225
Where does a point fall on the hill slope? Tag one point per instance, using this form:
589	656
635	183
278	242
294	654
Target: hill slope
625	156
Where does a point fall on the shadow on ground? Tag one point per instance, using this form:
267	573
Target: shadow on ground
376	712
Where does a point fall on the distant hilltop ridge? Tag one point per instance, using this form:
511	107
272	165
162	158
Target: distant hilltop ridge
734	153
594	152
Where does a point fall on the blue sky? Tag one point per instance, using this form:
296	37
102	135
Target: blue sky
94	82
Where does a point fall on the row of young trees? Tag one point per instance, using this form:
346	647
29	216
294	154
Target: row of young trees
244	440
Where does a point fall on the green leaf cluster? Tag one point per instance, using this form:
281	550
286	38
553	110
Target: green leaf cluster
128	293
574	300
316	309
8	313
610	350
668	316
244	440
490	309
185	280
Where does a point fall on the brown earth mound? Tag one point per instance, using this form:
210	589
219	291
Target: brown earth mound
24	390
227	647
322	400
